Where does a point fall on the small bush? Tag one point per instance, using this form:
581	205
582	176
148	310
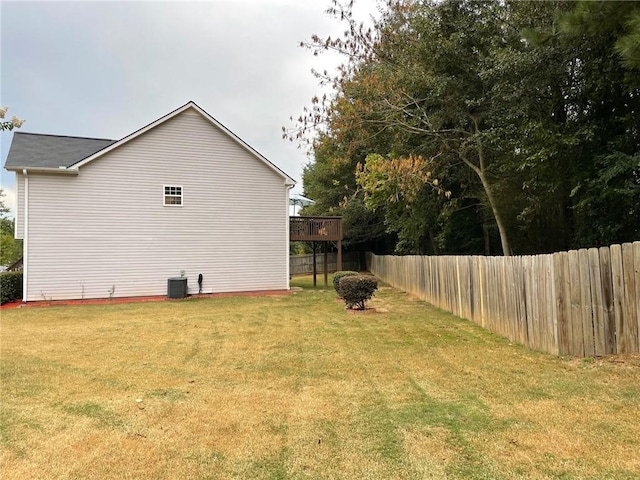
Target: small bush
338	275
10	287
357	290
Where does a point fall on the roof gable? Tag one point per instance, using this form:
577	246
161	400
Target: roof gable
209	118
69	154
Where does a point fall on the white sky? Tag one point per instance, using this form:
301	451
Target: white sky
105	69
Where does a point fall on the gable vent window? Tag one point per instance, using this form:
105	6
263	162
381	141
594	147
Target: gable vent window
172	195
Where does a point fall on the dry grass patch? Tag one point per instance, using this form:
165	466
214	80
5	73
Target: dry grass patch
295	387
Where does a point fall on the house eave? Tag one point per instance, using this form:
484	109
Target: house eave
49	170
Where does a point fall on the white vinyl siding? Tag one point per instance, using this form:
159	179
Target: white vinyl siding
232	229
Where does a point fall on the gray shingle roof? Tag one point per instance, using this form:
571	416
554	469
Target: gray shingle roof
33	150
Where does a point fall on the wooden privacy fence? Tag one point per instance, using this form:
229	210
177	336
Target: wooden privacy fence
303	264
581	302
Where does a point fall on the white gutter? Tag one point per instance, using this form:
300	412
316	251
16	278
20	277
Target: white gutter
59	170
25	242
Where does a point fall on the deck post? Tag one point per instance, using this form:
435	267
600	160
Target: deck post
326	264
339	260
315	269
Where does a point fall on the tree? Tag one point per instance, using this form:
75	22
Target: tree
424	97
10	248
15	122
524	111
398	185
606	193
618	18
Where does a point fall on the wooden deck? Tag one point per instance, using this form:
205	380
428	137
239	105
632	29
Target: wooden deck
315	229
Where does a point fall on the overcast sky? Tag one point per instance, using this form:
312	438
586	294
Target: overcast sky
105	69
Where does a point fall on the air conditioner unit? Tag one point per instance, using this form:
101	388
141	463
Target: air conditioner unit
177	287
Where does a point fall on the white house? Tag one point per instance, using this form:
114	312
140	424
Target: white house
181	196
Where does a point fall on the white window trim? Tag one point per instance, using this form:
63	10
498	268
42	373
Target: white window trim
164	196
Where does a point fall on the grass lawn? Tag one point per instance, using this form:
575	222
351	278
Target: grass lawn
296	387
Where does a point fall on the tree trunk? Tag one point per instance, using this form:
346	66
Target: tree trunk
480	171
487	240
506	249
432	240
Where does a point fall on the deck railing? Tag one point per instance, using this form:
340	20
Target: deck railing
315	229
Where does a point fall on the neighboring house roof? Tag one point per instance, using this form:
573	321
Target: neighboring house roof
35	153
34	150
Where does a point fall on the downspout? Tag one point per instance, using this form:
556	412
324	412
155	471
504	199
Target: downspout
25	241
288	242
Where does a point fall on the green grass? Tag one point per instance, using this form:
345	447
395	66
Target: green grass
296	387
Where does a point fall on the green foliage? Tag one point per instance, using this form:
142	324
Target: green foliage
299	248
331	179
608	209
10	248
526	112
336	279
10	287
604	18
4	210
628	46
356	290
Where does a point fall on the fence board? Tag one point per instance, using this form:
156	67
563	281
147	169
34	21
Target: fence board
479	264
506	327
467	292
618	298
531	287
509	300
561	287
585	303
519	299
552	306
544	298
505	300
473	289
607	300
566	270
488	296
575	323
595	279
636	268
546	302
630	304
493	315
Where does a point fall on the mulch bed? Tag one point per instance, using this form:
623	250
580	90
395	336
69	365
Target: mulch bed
158	298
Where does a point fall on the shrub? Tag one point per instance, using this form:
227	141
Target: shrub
338	275
10	287
357	290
